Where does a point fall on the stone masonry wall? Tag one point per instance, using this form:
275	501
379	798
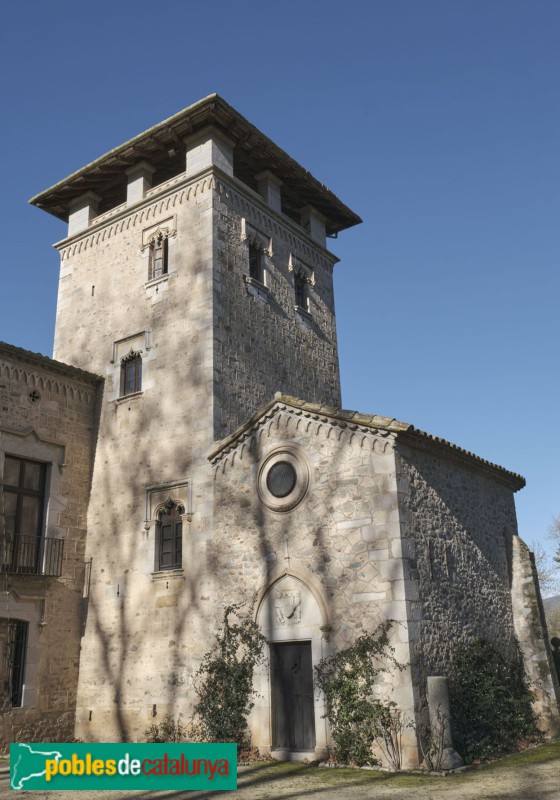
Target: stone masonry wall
343	539
262	344
457	527
58	428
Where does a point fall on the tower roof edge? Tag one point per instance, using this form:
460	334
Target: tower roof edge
163	147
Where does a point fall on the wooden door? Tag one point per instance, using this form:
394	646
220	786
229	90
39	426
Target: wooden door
293	716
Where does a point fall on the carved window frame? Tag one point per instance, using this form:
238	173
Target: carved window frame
303	279
136	344
161	232
293	456
159	497
258	244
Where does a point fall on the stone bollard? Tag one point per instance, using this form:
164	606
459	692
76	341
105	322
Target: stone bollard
438	700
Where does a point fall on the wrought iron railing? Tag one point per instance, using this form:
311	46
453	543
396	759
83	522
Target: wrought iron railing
31	555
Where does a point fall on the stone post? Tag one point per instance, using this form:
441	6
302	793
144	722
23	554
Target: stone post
139	181
82	211
269	188
209	147
438	707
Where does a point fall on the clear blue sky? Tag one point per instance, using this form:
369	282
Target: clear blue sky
435	120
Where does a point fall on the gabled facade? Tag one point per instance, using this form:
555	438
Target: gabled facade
196	281
384	522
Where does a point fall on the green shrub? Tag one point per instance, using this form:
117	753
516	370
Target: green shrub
347	679
168	730
490	701
224	682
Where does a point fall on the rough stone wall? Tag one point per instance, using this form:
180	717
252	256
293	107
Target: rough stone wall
262	344
530	627
457	527
343	539
57	429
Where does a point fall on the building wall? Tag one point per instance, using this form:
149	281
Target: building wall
262	344
152	445
458	525
57	429
342	543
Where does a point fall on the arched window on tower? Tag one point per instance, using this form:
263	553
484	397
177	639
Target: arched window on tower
169	537
256	262
158	256
131	374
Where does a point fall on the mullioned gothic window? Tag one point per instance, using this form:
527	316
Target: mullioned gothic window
256	262
300	287
303	278
169	541
158	256
131	374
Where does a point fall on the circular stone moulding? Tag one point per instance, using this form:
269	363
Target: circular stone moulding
283	479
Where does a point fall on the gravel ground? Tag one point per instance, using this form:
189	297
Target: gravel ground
520	778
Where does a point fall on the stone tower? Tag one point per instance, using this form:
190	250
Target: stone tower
195	279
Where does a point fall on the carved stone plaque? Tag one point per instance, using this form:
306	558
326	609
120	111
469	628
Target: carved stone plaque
287	606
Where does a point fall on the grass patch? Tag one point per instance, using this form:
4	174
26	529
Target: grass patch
311	776
536	755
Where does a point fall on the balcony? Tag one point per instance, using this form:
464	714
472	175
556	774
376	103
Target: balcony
30	555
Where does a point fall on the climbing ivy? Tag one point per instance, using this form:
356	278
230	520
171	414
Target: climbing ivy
355	715
224	681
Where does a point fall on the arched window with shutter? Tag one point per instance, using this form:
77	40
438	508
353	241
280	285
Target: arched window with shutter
169	538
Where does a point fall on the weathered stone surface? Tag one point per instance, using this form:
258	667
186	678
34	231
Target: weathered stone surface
47	415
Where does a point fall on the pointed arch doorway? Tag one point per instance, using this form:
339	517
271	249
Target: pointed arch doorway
288	715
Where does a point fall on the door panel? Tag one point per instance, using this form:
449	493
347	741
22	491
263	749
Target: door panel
293	716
